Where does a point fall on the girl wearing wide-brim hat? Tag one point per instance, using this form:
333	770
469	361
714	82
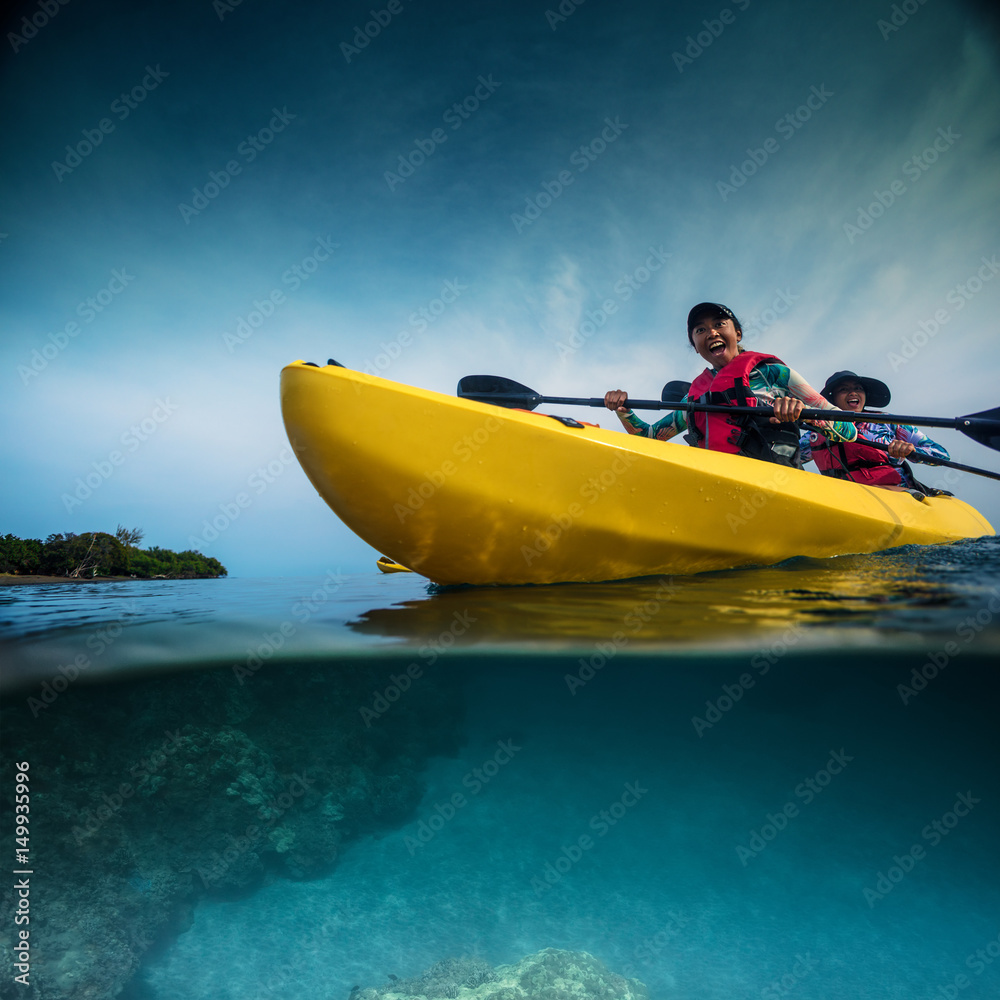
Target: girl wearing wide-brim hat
857	461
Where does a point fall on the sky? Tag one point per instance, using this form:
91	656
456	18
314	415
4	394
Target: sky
195	194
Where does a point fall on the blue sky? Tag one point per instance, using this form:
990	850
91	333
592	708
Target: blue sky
528	165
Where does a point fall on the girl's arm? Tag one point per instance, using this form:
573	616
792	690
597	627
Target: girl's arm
797	386
922	444
664	429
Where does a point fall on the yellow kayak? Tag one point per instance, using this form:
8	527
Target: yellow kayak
387	565
467	492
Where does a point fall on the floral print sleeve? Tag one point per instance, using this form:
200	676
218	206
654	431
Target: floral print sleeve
884	434
769	381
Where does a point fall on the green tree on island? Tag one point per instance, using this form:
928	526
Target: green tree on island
96	553
129	537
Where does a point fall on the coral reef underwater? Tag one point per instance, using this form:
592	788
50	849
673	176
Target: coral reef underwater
150	794
551	974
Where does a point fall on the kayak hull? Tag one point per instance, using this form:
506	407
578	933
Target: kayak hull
469	493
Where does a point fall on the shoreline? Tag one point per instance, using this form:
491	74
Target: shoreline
14	580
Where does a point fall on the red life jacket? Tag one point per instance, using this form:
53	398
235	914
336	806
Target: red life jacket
855	461
739	434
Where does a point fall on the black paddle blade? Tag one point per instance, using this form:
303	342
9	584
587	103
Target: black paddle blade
498	390
674	391
985	428
478	384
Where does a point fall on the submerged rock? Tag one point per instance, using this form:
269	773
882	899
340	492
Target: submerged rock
551	974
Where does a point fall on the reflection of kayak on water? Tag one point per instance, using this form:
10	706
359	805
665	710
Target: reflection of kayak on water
466	492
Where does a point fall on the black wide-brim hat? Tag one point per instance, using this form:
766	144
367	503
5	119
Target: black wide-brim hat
876	393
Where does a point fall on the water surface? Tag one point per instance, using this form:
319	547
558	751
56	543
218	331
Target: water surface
758	783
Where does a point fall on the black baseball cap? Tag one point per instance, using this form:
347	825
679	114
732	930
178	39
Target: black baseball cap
876	393
712	309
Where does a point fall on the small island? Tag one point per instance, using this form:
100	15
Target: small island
97	555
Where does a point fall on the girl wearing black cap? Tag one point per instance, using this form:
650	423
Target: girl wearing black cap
736	378
855	460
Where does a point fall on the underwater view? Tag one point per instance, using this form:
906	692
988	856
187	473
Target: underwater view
775	782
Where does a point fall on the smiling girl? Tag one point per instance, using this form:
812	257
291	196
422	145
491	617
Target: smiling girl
737	378
858	462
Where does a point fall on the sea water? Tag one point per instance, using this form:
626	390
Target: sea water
774	782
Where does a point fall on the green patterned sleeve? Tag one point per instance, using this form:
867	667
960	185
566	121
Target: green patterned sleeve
664	429
793	384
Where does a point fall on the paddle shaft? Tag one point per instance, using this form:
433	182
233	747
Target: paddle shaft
531	401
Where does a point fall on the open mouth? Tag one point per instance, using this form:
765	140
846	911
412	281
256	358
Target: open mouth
716	348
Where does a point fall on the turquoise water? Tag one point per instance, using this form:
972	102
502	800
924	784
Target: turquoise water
766	783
